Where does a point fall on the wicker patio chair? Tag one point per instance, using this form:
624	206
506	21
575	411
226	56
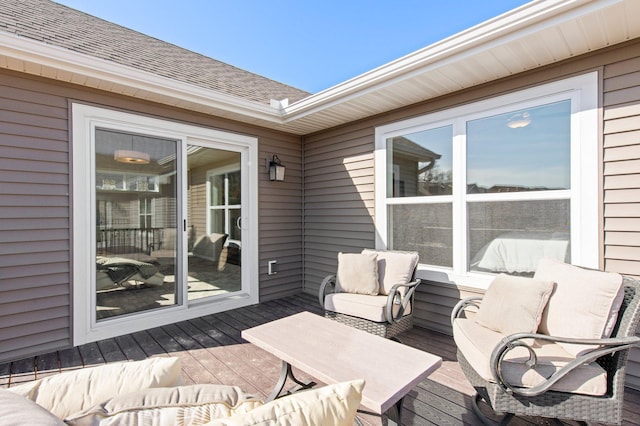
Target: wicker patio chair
386	314
540	401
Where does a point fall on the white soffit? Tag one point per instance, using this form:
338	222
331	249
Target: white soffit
536	34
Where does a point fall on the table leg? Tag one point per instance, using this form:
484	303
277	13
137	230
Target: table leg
394	413
287	373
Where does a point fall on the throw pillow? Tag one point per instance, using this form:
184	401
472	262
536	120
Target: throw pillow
334	405
514	304
16	410
69	392
357	273
394	267
582	305
182	405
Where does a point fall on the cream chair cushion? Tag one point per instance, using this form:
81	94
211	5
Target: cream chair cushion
73	391
514	304
357	273
394	267
16	410
584	304
476	343
334	405
372	308
174	406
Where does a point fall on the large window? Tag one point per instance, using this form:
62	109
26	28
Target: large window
493	186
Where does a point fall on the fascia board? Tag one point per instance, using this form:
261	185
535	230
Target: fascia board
32	51
509	27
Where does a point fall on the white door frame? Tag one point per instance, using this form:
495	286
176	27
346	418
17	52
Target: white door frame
85	120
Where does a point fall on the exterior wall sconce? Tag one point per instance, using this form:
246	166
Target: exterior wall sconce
276	169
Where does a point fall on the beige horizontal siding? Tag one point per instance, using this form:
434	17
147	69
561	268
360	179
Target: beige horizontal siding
338	200
34	218
622	177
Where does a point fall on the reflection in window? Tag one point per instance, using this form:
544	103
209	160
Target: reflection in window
425	228
523	150
512	236
419	164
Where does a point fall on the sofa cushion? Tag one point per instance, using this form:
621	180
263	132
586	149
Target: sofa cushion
179	406
584	304
372	308
334	405
357	273
72	391
16	410
476	343
394	267
514	304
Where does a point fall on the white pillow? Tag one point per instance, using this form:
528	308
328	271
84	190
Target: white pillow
394	267
334	405
585	303
176	406
514	304
16	410
69	392
357	273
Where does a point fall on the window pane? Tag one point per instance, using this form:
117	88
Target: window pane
419	164
234	188
217	190
234	224
217	223
512	236
525	150
136	222
425	228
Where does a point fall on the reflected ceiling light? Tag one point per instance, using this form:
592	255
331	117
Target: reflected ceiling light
131	157
521	119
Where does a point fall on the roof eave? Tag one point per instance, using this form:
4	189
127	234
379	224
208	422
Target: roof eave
34	57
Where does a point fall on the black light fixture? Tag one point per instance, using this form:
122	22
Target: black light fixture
276	169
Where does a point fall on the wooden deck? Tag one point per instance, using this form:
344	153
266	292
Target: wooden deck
212	351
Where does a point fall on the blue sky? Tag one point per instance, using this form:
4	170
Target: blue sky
312	44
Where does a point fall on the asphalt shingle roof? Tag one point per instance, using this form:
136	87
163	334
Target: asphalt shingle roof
59	25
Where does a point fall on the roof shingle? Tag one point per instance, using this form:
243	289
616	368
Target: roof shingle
61	26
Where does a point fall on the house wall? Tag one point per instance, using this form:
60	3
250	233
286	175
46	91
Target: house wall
339	177
35	223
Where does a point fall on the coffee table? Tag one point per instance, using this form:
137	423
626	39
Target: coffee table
333	352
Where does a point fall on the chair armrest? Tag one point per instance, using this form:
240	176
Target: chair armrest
604	347
329	283
396	298
463	304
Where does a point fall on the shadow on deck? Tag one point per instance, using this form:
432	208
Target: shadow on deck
212	351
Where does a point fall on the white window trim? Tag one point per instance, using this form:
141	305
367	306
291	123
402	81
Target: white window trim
85	119
583	91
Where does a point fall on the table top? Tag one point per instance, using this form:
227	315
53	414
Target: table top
333	352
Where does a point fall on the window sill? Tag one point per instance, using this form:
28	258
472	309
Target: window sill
446	276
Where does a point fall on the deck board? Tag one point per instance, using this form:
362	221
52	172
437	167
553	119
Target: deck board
212	350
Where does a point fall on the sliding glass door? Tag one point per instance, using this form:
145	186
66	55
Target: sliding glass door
161	223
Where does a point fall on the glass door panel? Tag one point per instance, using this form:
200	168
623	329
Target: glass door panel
213	210
136	223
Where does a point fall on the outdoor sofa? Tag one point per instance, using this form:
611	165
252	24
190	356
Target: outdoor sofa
149	392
